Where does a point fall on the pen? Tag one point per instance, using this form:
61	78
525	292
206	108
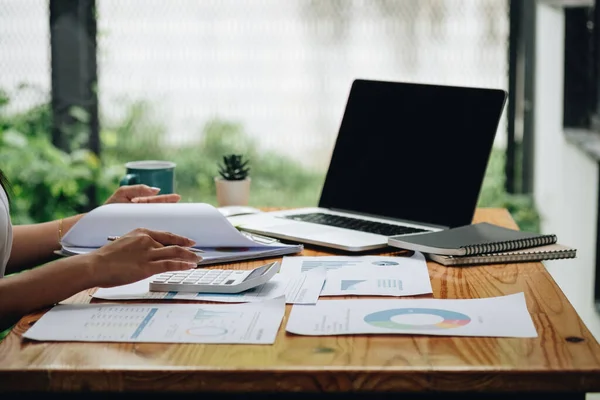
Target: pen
259	238
113	238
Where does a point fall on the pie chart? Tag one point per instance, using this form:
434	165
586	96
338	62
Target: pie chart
384	319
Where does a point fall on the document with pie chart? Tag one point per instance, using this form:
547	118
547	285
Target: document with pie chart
505	316
248	323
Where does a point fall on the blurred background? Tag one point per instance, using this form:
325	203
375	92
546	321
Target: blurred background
88	85
191	80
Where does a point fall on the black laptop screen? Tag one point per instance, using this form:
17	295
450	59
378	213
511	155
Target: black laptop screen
412	151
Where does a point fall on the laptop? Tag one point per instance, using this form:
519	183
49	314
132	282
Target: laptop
408	158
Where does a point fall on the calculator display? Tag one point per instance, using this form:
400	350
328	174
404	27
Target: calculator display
258	272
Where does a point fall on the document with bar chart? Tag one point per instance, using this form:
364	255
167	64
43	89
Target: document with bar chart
367	275
248	323
379	285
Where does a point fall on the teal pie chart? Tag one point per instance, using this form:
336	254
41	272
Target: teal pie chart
384	319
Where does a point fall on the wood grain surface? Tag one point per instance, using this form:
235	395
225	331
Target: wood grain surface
564	357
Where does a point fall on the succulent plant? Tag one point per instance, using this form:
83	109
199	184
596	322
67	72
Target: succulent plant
234	167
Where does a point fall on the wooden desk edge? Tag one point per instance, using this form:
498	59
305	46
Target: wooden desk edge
299	381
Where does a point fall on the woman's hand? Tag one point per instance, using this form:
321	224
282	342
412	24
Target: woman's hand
141	194
138	255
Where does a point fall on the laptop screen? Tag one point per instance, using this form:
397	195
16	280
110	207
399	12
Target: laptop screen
412	151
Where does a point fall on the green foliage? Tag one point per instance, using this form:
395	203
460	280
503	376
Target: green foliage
49	183
493	194
46	182
234	167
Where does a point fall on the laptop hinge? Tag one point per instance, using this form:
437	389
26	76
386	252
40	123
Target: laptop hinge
402	221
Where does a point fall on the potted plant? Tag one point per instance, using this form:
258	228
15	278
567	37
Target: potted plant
233	182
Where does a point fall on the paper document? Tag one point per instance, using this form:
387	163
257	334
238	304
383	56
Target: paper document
299	264
255	323
505	316
297	289
212	255
377	281
366	275
200	222
220	241
305	288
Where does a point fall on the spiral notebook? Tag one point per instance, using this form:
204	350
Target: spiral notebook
474	239
541	253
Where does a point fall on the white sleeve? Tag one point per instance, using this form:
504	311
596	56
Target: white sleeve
6	236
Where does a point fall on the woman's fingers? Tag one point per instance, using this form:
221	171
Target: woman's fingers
168	238
162	198
171	265
175	253
132	191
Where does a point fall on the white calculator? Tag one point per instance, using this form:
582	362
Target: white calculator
213	280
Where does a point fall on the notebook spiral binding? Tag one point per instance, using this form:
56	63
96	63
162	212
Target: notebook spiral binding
496	247
507	258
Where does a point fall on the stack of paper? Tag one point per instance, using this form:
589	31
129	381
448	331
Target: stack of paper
220	241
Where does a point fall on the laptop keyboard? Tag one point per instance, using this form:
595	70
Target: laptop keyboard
379	228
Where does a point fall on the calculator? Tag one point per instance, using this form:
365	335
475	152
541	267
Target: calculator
213	280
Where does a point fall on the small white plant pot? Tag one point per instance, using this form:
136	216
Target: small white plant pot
232	193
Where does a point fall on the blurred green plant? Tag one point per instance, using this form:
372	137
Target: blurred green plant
276	179
46	182
49	183
493	194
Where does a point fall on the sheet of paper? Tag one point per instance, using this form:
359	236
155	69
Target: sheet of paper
200	222
377	281
299	264
367	275
213	255
252	323
297	289
305	288
235	253
505	316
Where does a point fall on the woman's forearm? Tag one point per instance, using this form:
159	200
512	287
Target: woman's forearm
34	244
41	287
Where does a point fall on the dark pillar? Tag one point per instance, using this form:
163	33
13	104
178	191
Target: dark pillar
74	76
528	141
521	70
597	271
513	51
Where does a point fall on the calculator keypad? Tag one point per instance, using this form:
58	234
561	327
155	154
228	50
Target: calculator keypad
207	280
200	277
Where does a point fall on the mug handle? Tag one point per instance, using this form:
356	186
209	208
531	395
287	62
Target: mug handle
129	179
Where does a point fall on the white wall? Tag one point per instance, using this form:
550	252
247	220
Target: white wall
566	179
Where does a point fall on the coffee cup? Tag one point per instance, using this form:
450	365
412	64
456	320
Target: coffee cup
154	173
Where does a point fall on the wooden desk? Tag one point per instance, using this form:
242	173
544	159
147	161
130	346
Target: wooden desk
564	360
